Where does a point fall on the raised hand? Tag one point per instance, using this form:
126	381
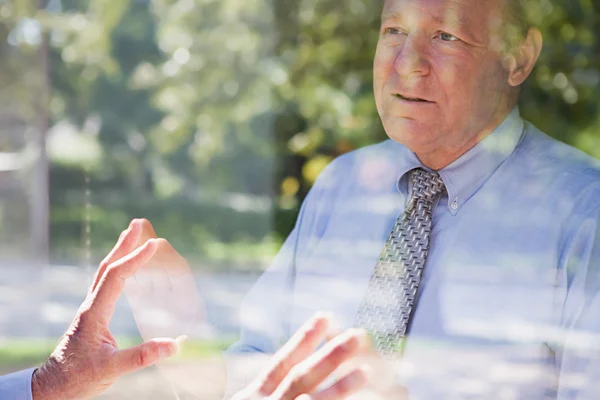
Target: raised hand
166	302
87	360
298	372
382	383
163	294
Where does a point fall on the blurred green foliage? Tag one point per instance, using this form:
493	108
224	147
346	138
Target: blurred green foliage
212	118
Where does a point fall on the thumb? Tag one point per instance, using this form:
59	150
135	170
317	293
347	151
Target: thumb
143	355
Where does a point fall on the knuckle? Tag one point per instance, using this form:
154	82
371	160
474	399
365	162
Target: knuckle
271	377
103	264
308	334
143	357
342	388
350	384
337	354
112	272
299	382
268	383
341	350
285	364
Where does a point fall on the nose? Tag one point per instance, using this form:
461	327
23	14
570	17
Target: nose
412	57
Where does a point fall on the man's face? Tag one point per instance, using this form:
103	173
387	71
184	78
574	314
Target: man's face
439	79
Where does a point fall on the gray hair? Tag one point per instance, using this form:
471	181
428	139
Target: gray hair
518	23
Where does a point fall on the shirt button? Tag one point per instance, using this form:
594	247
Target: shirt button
454	205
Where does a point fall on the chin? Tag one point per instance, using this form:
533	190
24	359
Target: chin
409	132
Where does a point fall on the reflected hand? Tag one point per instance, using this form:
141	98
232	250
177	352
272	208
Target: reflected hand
87	360
166	303
296	371
163	296
383	379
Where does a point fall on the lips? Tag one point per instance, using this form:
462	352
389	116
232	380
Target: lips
411	98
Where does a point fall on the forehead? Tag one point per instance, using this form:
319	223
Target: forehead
467	13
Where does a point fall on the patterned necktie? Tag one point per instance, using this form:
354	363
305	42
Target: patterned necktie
387	307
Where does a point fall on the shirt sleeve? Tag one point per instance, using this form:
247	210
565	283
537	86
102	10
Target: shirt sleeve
16	386
577	351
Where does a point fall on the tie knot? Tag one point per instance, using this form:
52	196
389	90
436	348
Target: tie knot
426	185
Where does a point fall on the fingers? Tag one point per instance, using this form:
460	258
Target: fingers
344	387
127	242
306	376
112	282
147	231
142	356
300	346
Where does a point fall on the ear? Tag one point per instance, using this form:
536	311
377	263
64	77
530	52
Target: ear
524	57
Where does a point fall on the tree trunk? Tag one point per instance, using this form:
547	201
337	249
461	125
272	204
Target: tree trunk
40	201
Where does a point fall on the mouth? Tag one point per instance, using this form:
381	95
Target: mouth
414	99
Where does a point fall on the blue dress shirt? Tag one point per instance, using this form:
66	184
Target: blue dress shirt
16	386
509	304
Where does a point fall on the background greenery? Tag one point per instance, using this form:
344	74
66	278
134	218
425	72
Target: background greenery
212	118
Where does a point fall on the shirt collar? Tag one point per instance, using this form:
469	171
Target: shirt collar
466	175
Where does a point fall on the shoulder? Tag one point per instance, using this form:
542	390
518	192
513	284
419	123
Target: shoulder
560	168
367	171
345	168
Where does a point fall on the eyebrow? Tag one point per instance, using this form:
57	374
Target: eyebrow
455	20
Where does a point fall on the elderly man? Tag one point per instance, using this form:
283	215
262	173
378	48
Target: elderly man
487	285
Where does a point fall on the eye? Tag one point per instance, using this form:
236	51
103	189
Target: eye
391	31
446	37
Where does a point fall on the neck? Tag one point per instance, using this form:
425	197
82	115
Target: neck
441	156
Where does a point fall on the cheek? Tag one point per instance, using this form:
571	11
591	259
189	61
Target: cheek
381	71
461	81
383	63
454	73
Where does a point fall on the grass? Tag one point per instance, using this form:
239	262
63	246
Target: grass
21	353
